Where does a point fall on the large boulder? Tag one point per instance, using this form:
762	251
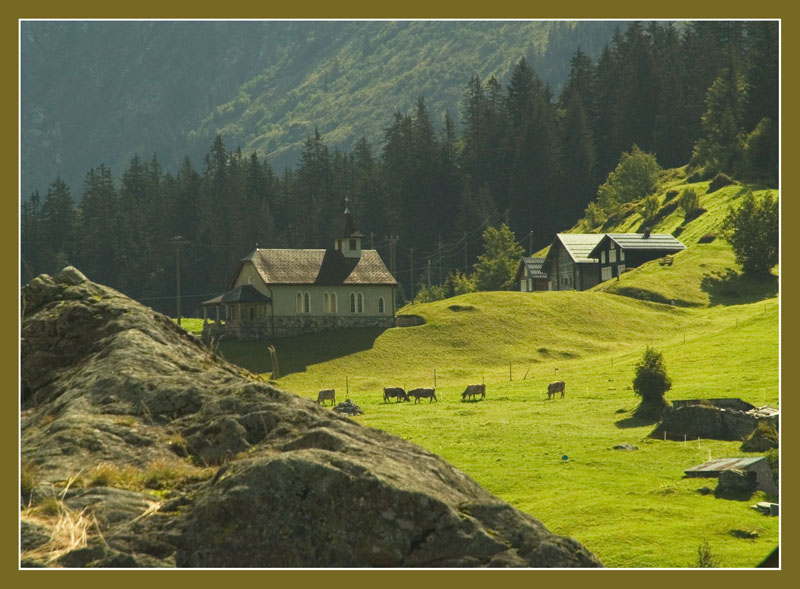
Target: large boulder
182	459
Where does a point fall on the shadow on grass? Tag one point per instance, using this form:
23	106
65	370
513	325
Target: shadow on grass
295	354
634	421
733	288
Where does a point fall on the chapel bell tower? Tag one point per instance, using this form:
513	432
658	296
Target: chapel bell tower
350	241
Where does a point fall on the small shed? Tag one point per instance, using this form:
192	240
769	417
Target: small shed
713	468
530	275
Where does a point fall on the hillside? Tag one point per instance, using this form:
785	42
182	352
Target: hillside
556	457
169	87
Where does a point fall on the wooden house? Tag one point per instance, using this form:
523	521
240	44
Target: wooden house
618	251
530	275
568	263
282	292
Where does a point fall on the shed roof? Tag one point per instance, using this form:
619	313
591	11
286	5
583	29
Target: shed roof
244	293
713	467
640	241
324	267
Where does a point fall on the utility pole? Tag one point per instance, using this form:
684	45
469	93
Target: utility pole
429	272
466	245
439	247
178	241
412	276
530	243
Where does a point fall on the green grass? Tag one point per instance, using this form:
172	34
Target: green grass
631	508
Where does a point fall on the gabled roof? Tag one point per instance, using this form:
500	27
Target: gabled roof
317	266
577	245
641	241
534	266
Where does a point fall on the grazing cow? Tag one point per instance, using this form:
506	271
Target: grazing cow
397	392
556	387
423	394
473	390
325	395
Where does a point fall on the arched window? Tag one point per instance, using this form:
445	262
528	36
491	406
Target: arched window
360	303
381	306
334	303
306	303
299	302
352	302
326	303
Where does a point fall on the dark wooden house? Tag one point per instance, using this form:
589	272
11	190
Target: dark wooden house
569	265
616	252
530	275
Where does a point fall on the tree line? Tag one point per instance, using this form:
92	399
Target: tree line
706	95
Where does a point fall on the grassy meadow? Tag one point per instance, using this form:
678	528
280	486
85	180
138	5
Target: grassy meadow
554	459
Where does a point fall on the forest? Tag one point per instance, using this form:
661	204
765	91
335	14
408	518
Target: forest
704	96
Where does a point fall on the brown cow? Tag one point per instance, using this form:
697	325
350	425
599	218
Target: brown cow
473	390
556	387
327	395
423	394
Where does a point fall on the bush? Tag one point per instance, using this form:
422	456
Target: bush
707	238
689	201
752	230
719	181
635	176
651	383
705	559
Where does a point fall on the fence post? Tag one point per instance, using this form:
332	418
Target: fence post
509	372
434	378
347	385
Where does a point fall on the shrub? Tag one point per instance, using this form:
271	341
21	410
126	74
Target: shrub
719	181
689	200
707	238
635	176
752	230
651	383
671	194
705	559
773	462
693	214
649	207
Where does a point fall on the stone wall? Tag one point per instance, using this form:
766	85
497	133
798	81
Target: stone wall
707	421
279	327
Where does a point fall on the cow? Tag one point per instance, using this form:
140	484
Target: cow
556	387
423	394
397	392
473	390
327	395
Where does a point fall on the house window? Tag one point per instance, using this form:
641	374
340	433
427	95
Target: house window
252	313
605	273
326	303
352	302
360	303
339	244
612	255
299	302
381	306
306	303
621	255
602	257
334	303
352	244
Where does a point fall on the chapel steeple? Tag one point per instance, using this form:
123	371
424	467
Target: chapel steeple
349	242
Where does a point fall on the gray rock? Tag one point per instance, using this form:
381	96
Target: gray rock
736	484
626	447
107	380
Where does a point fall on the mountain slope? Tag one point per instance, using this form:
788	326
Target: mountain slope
99	92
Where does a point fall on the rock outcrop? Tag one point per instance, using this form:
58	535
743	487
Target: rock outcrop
178	458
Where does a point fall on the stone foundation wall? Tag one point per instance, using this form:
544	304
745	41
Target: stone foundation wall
279	327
